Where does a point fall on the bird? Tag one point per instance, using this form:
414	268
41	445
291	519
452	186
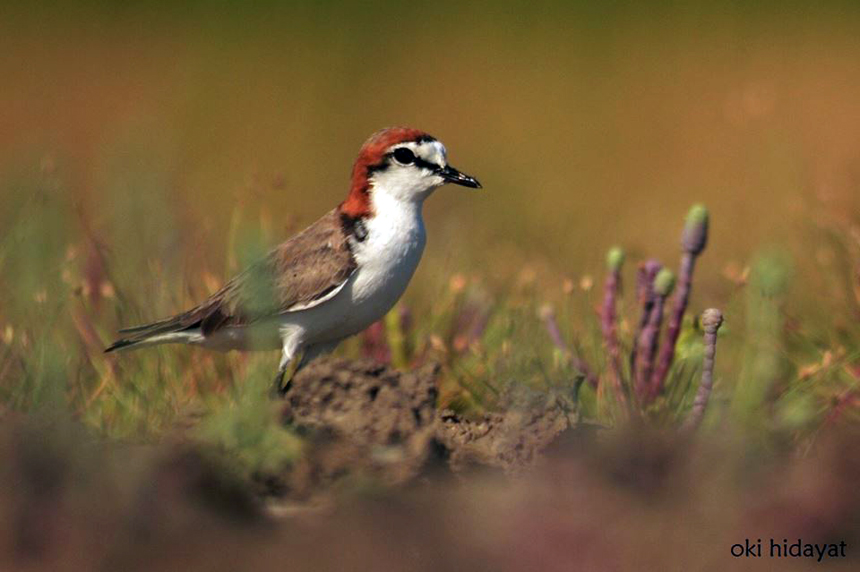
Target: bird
333	279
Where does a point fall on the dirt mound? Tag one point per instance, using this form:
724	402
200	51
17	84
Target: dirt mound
360	420
365	421
511	441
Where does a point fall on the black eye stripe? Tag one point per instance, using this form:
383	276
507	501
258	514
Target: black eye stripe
416	160
419	162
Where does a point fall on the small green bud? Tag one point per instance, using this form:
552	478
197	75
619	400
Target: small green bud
664	282
614	259
695	235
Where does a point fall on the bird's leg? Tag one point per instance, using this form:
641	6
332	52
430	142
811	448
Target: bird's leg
283	389
277	385
279	388
293	361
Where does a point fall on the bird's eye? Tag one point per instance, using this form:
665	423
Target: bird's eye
404	156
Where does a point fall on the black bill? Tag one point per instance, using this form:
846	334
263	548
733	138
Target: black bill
452	175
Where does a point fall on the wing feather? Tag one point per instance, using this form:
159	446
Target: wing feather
300	273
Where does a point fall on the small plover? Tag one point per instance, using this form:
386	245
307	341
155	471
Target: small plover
333	279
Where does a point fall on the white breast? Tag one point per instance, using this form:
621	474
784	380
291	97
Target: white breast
386	259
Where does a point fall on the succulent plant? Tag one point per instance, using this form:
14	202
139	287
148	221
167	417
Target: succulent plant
693	241
695	235
712	319
645	275
664	283
615	259
608	319
662	287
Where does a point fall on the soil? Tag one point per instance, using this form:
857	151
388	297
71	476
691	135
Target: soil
366	423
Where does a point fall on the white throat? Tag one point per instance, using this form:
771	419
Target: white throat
396	214
390	252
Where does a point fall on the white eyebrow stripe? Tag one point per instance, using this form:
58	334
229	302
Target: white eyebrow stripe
432	152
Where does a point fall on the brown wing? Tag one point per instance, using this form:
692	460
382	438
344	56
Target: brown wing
296	275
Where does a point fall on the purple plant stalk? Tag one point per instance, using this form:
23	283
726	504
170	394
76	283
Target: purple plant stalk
645	275
551	324
609	318
664	282
693	242
712	319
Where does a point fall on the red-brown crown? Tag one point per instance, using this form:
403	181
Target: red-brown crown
372	154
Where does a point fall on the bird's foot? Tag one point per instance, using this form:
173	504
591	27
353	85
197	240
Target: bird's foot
279	388
285	388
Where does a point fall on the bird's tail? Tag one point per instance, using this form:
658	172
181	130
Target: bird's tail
164	332
120	344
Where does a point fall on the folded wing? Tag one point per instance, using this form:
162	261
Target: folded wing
302	272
